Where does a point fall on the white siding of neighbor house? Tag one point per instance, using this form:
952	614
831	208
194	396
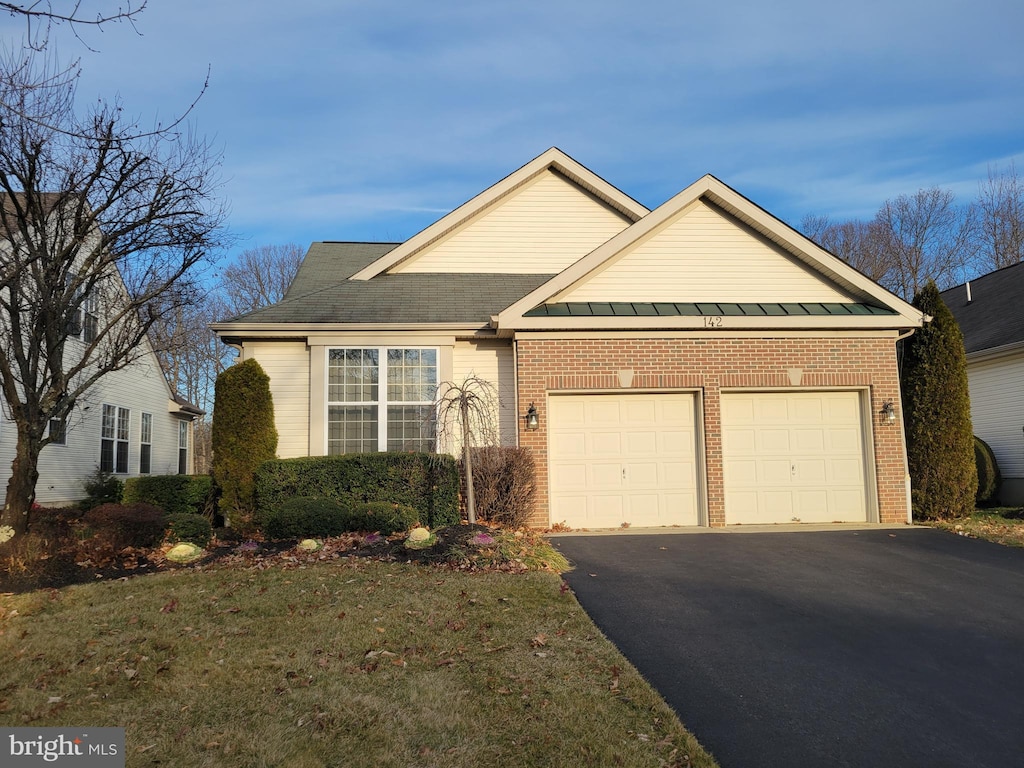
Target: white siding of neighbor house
540	228
997	409
64	468
287	365
491	361
704	255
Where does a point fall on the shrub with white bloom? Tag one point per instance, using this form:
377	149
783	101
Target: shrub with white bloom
310	545
417	535
184	553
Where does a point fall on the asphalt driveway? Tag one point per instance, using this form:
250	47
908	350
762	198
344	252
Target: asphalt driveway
838	648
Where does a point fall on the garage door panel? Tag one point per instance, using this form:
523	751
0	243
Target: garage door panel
570	444
773	441
809	439
641	442
639	455
802	458
640	411
773	471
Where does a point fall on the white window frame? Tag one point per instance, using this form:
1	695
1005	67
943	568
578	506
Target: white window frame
146	441
183	447
382	402
63	441
116	438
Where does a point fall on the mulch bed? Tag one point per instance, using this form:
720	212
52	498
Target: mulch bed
227	550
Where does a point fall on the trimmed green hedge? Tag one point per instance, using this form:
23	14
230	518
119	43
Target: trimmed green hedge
427	482
189	527
174	494
305	516
989	476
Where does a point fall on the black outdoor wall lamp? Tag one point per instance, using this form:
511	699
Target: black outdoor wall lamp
531	418
888	412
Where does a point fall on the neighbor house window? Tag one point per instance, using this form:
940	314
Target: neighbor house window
58	432
84	323
114	440
182	447
380	399
146	445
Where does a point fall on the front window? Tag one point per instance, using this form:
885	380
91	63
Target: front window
363	416
58	432
114	440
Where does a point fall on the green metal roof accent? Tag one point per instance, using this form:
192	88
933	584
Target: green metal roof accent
715	309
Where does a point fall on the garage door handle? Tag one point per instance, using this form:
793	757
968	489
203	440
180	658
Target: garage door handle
623	473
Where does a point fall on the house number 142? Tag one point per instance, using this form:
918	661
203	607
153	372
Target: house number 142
713	322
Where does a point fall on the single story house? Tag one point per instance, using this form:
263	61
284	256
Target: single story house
990	313
701	364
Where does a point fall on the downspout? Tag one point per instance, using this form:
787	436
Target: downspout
903	437
515	386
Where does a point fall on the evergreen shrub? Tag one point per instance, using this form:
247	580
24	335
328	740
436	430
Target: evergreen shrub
937	414
306	517
429	483
989	477
174	494
188	527
244	436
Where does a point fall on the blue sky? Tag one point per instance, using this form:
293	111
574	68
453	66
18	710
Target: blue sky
351	120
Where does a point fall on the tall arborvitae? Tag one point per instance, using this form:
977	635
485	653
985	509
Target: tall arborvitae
244	436
937	414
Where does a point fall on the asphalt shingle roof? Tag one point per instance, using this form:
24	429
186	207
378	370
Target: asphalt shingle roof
995	315
322	292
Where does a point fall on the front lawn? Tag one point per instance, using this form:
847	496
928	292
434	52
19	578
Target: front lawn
347	662
1003	525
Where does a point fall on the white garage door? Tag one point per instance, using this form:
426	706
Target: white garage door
623	459
793	457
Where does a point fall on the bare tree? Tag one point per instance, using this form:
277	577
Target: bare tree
1000	206
41	16
927	237
861	244
259	277
467	414
102	221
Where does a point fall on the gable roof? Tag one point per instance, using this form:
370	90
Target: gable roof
994	317
553	159
858	289
322	293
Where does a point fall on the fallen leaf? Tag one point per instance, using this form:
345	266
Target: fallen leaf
170	607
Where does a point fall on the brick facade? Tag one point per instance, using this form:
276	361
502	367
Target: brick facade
711	365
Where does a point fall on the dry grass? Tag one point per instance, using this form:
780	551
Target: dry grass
1003	525
342	663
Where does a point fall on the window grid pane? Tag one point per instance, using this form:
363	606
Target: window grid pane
412	375
147	428
351	429
109	417
411	428
352	375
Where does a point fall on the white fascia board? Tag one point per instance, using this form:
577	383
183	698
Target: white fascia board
552	158
995	352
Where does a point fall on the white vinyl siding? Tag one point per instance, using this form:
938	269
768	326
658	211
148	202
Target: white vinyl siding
63	468
705	255
493	362
623	459
287	365
540	228
793	457
997	409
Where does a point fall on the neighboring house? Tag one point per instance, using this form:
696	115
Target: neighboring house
990	312
129	424
699	364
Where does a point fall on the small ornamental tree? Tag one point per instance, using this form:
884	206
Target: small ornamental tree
244	436
937	414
